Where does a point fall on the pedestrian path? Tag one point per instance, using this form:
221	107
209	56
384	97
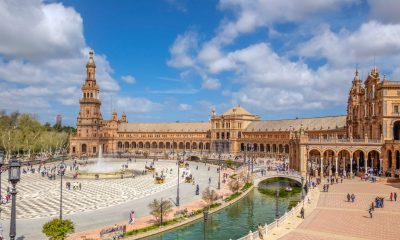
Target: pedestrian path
39	197
335	218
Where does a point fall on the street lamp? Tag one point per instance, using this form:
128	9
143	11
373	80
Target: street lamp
62	168
14	175
277	203
177	189
307	147
302	188
205	218
1	165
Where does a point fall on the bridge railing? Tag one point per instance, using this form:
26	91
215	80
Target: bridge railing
279	221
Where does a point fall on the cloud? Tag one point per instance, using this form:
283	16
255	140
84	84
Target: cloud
42	65
385	11
136	105
129	79
371	39
182	49
210	84
183	107
177	4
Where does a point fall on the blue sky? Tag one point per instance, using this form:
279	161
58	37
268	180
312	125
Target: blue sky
171	60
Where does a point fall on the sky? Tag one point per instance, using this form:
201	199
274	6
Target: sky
176	60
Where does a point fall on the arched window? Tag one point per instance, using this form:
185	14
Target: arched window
396	130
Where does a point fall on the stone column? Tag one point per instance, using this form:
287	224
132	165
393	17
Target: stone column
366	165
344	167
351	167
381	166
358	164
322	167
330	167
336	167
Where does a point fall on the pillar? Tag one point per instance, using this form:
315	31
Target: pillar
358	164
380	165
344	167
351	167
336	166
366	165
322	167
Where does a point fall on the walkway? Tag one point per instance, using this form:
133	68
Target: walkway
335	218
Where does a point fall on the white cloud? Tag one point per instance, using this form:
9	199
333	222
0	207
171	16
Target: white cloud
210	84
345	47
43	56
385	11
136	105
182	49
129	79
183	107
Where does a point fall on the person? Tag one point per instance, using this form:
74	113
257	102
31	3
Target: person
302	213
370	212
209	180
395	196
353	197
132	217
348	197
260	231
391	196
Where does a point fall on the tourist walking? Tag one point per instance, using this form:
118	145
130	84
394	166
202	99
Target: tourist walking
132	217
391	196
348	197
395	196
370	212
302	213
353	197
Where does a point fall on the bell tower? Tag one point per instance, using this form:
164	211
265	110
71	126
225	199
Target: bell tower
89	118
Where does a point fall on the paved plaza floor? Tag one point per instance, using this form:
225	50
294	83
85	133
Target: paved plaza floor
99	202
335	218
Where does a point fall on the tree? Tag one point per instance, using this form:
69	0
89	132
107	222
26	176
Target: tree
57	230
160	209
209	195
234	185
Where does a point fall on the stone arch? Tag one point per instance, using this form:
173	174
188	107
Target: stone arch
126	145
84	148
280	148
161	145
147	145
201	145
154	145
390	159
181	145
187	145
119	145
168	145
286	148
359	158
133	144
194	145
396	130
140	145
397	165
208	146
262	148
373	159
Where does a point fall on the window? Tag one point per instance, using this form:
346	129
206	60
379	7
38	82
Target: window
396	109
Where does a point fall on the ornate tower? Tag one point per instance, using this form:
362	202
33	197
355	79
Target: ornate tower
89	118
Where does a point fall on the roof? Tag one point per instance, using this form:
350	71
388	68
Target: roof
165	127
320	123
238	110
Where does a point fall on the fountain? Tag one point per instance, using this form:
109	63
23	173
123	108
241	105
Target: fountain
103	168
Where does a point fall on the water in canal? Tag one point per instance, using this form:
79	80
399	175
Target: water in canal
236	220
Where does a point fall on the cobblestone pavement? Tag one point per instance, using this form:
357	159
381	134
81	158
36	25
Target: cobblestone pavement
100	202
39	197
335	218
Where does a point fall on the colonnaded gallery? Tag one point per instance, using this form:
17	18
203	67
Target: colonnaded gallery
367	138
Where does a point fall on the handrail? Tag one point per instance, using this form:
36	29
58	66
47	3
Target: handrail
269	227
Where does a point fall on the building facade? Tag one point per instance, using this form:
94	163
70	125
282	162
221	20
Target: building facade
367	137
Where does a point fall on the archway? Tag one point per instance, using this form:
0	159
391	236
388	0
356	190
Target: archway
147	145
345	162
119	145
390	161
168	145
358	157
126	145
329	162
194	145
373	161
396	130
181	146
161	145
314	162
187	146
140	144
208	146
84	148
397	160
133	144
154	145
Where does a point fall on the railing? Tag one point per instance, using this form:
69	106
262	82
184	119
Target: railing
343	140
277	222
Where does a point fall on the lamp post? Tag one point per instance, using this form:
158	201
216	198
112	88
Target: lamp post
177	189
14	175
62	168
1	165
205	218
302	188
307	147
219	166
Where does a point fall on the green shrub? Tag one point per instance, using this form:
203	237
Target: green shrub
57	229
233	196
